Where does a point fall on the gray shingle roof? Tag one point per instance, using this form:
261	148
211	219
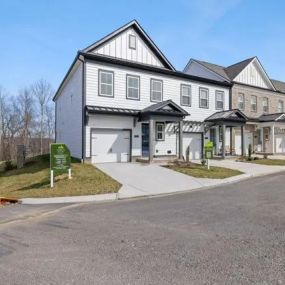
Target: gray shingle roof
229	115
279	85
216	68
165	106
233	70
271	117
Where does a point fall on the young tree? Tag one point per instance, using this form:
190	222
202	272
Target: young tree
42	92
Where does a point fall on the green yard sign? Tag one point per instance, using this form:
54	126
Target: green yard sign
209	147
59	158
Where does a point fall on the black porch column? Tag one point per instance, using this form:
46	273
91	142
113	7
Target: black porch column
242	140
223	141
180	140
231	140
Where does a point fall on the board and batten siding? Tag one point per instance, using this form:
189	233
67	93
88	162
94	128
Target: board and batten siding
118	47
69	114
171	90
252	75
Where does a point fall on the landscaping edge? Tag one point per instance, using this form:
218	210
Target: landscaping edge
116	196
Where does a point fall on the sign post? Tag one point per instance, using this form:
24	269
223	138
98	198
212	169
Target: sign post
59	161
209	146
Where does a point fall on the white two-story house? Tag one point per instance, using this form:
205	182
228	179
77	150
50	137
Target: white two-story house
122	99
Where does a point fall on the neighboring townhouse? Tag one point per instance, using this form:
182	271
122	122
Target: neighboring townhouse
260	98
122	99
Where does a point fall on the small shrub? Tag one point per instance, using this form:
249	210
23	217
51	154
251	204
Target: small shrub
249	151
9	165
203	162
256	158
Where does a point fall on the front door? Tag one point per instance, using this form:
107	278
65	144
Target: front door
145	139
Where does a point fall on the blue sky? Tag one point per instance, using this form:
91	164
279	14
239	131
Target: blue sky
39	39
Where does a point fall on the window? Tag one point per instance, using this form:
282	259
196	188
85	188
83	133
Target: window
155	90
219	100
280	106
133	87
265	104
160	131
204	98
132	42
253	103
185	95
241	101
106	83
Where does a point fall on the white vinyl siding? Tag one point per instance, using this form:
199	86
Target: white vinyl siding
204	98
265	104
253	103
118	47
185	95
220	100
156	90
241	101
133	87
171	90
280	106
160	132
69	114
106	83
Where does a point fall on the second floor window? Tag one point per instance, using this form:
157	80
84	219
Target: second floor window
155	90
106	83
185	95
219	100
241	101
253	103
265	104
133	87
204	98
280	106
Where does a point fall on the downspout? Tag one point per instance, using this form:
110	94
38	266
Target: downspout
83	109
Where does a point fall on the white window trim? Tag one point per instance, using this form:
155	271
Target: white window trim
188	96
241	95
280	105
223	99
151	89
251	104
207	90
100	83
162	132
135	41
265	99
127	87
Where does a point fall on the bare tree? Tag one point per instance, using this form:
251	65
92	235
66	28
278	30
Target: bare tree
49	122
42	91
24	106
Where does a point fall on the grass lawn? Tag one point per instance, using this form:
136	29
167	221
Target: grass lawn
200	171
276	162
33	181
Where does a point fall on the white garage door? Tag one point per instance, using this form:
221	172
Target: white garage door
192	145
110	145
280	143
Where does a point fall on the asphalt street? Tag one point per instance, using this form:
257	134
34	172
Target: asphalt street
233	234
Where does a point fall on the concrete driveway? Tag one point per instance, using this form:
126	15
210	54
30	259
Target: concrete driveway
150	179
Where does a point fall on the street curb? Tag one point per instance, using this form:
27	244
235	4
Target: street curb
116	196
70	199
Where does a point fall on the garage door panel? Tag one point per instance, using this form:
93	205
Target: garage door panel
110	146
192	146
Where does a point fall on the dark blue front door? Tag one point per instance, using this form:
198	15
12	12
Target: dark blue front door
145	139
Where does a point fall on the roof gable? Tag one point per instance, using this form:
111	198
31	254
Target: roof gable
205	69
165	107
116	45
229	115
250	72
